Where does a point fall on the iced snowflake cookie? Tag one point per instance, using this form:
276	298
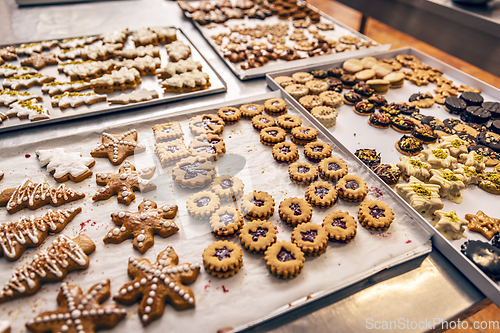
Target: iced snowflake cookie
251	110
413	166
450	184
76	99
79	312
167	131
438	158
311	238
302	173
316	151
116	147
193	172
332	169
270	136
304	134
449	224
35	195
321	194
284	260
52	264
257	205
134	97
64	166
225	222
351	188
375	215
201	205
121	79
285	152
124	183
55	87
340	226
222	259
206	124
178	51
156	284
142	225
294	211
424	198
256	236
209	146
486	225
228	188
28	109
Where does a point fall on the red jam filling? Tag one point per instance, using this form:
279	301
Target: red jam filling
202	202
226	183
205	123
305	131
226	218
285	256
351	185
252	108
260	232
167	129
284	150
275	103
296	209
333	167
321	192
273	133
377	212
317	149
309	236
303	169
191	171
229	112
264	120
338	222
172	149
258	203
223	253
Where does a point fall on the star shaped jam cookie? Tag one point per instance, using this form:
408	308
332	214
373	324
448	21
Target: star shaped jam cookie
117	147
124	183
158	283
484	224
78	312
143	224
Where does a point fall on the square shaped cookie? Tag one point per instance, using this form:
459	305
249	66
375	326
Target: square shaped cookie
170	152
167	131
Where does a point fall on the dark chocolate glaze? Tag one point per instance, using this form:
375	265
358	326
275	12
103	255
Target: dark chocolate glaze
493	107
348	80
489	140
455	105
495	126
451	122
472	98
476	114
484	255
352	97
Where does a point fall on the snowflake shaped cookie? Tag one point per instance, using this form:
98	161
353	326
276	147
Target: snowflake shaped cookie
124	183
117	147
143	224
163	281
64	166
78	312
421	196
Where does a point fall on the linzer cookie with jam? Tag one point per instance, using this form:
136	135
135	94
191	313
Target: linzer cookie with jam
304	134
340	226
262	121
270	136
352	188
311	238
227	188
375	215
201	205
321	194
206	124
257	205
210	146
275	106
285	152
251	110
193	172
409	146
223	259
316	151
294	211
302	173
171	152
284	260
288	122
229	114
332	169
256	236
226	222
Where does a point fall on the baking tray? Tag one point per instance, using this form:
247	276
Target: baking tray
358	134
252	295
149	82
280	65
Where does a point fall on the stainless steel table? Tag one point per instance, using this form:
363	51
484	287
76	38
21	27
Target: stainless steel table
420	292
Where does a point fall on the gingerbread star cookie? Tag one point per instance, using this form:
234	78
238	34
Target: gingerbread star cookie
79	312
117	147
143	224
484	224
124	183
39	61
155	284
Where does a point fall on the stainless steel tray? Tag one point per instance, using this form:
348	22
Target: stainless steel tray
250	297
366	136
280	65
148	82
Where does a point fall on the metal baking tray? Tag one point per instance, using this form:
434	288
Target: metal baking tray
250	297
149	82
280	65
353	131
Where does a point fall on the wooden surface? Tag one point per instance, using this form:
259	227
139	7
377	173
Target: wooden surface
384	34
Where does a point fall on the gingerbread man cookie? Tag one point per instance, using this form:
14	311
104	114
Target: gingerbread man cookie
64	166
124	183
143	224
117	147
155	284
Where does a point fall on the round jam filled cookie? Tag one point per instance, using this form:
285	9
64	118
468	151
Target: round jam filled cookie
304	134
377	100
284	81
454	105
202	204
288	122
402	124
272	135
368	156
302	77
340	226
206	124
364	108
228	188
256	236
326	115
363	89
311	238
379	120
297	90
302	173
321	194
310	101
275	106
352	188
472	98
352	98
285	152
294	211
284	260
222	259
316	151
257	205
229	114
226	222
262	121
209	146
409	146
316	87
424	133
375	215
332	169
251	110
331	98
193	172
390	174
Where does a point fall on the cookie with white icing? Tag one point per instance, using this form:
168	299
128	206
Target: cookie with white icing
56	87
17	82
189	81
182	66
7	97
141	51
99	51
63	165
178	51
121	79
71	43
75	99
86	70
11	70
424	198
28	109
116	147
144	36
116	36
146	65
134	97
165	35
